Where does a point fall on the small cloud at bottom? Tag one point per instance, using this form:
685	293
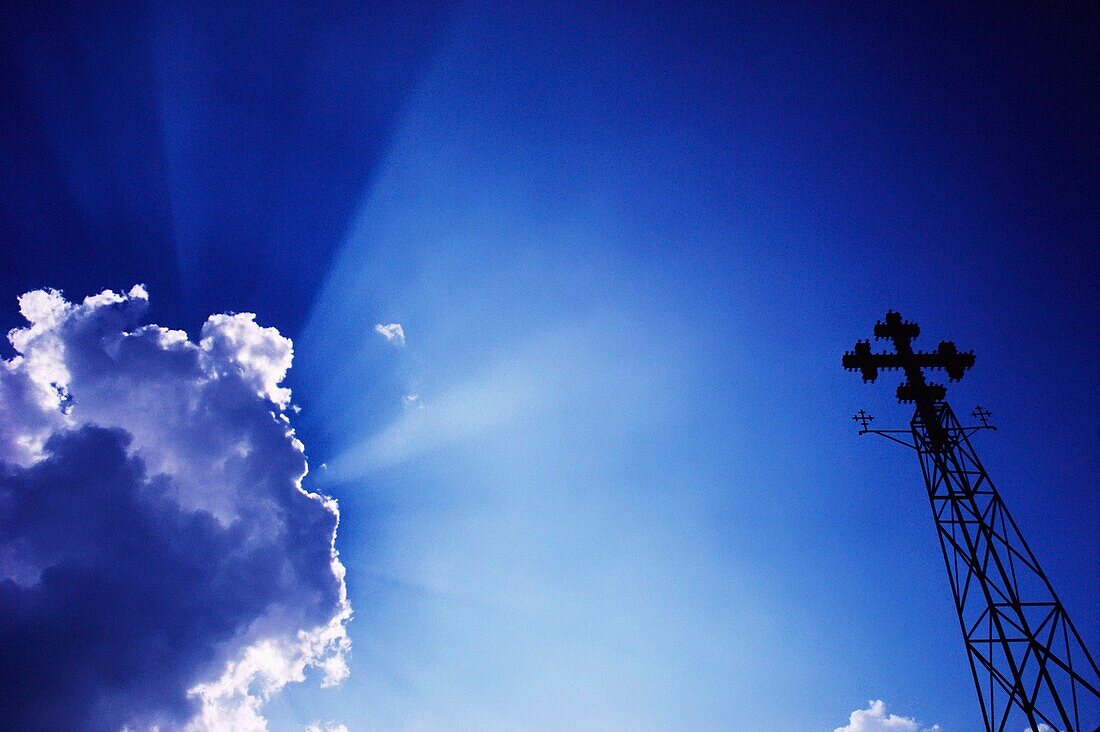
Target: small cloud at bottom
326	727
876	719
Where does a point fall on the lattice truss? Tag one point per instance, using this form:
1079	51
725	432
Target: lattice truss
1024	651
1028	661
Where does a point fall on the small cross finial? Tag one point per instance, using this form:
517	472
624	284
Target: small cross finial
982	414
863	418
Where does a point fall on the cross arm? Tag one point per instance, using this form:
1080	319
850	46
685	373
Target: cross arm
946	357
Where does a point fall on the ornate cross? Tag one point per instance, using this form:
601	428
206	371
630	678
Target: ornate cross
914	389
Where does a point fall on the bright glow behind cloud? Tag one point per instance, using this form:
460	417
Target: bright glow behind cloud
152	503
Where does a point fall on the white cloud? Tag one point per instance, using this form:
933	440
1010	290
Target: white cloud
875	719
260	355
393	333
160	480
326	727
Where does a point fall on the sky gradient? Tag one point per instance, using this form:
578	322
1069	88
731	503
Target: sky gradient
608	479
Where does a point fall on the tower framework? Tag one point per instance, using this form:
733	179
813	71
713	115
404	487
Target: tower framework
1028	662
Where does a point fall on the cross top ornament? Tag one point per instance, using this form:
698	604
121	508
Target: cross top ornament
863	418
982	414
915	389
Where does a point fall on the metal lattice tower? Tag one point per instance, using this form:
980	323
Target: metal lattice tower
1029	663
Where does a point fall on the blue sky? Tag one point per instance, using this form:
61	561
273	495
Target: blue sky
627	246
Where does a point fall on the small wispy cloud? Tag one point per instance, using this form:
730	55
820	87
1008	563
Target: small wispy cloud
875	719
393	332
326	727
412	401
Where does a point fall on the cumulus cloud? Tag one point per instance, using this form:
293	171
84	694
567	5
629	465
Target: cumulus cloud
161	564
875	719
393	333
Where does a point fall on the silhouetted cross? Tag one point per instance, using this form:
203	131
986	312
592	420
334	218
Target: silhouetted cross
982	414
914	389
863	418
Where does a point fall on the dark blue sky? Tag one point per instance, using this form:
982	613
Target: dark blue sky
141	138
715	202
163	142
